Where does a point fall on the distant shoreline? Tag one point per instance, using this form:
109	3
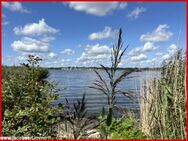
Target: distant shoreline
99	68
87	68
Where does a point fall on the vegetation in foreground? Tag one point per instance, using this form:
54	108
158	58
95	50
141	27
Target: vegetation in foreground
27	110
163	107
26	101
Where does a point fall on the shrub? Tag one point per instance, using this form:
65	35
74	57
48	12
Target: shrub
26	101
123	128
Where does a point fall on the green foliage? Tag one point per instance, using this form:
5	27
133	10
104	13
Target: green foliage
104	129
26	101
124	128
127	129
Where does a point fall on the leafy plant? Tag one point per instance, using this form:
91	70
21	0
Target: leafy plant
26	101
123	128
127	128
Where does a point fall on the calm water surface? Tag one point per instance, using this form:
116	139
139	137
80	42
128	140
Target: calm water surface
77	83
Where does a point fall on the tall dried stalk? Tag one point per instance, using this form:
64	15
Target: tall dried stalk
163	107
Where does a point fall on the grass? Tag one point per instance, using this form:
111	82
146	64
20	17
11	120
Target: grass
163	106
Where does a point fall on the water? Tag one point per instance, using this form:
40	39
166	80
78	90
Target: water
77	83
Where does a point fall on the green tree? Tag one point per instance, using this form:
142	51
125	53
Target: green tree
26	101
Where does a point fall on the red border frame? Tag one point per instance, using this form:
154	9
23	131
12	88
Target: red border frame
1	70
98	1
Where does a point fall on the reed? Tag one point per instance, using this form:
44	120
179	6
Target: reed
109	85
163	104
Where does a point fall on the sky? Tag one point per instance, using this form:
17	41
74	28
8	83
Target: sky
83	33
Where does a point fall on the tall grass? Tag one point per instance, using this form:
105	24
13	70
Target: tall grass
110	88
163	107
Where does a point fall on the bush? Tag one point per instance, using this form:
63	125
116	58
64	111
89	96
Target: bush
26	101
124	128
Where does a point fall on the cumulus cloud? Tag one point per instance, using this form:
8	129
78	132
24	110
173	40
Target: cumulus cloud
15	6
68	51
97	49
37	37
94	54
106	33
160	34
47	39
97	8
52	55
166	56
136	12
35	29
148	46
140	57
27	44
171	50
159	54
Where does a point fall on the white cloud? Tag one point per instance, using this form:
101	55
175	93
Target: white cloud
5	23
68	51
166	56
57	63
97	8
123	5
27	44
94	54
171	50
35	29
41	37
140	57
47	39
15	6
148	46
52	55
159	54
65	60
136	12
160	34
21	58
97	49
106	33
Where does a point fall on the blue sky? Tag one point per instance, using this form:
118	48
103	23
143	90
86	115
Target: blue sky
82	33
